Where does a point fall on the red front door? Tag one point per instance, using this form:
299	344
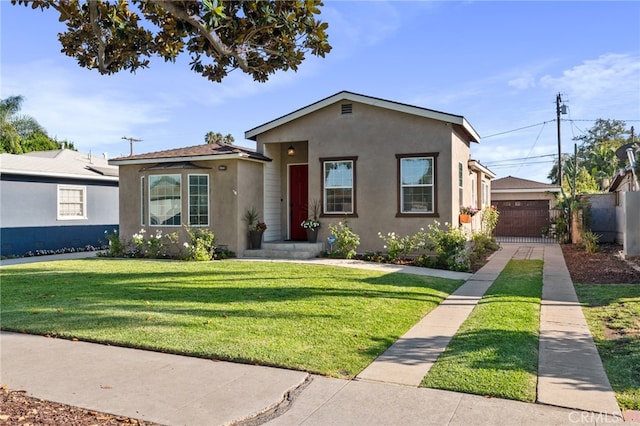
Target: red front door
298	196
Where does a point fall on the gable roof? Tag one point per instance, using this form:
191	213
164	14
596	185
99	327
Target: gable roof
456	120
514	184
59	163
210	151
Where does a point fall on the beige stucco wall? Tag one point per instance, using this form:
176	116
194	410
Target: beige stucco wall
374	135
231	193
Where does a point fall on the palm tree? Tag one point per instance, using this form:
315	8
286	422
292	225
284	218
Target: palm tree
213	137
17	129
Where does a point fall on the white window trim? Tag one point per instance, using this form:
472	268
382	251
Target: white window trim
208	199
143	201
84	202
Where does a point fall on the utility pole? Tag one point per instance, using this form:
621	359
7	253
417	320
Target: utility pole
560	109
131	141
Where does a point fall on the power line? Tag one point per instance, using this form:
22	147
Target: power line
500	166
518	129
519	159
548	121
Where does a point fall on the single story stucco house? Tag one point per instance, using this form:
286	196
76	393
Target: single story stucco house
382	166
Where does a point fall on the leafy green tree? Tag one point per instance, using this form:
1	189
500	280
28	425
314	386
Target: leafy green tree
596	157
257	37
597	150
9	137
216	137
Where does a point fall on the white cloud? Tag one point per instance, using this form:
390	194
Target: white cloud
525	81
608	84
73	106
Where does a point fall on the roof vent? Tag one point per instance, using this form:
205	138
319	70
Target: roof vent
346	109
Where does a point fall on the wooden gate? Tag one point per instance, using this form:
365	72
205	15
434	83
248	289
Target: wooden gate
523	218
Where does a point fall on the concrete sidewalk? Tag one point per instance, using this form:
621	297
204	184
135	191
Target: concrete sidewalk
177	390
171	389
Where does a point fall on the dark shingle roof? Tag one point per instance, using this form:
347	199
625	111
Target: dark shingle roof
206	151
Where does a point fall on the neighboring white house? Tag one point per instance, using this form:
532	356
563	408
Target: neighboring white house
625	188
57	199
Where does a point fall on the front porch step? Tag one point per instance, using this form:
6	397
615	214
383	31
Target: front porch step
286	250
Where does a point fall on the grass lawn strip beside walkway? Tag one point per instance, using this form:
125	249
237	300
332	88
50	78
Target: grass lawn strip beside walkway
495	351
612	312
326	320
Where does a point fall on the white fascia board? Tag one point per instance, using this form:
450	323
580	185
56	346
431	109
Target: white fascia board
367	100
59	175
476	166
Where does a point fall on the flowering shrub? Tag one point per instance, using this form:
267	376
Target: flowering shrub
203	244
310	224
346	241
397	246
470	210
259	226
490	217
449	246
43	252
152	248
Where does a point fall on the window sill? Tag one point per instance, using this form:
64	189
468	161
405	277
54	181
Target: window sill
417	215
338	215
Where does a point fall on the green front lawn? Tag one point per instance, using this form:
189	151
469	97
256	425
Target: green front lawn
613	314
328	320
495	351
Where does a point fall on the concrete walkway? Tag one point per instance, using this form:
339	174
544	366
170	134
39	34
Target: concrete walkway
170	389
570	372
410	358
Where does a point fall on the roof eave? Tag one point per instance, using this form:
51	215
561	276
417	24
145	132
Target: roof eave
236	156
252	134
60	175
475	164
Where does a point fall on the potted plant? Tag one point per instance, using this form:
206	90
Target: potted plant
312	225
256	228
466	213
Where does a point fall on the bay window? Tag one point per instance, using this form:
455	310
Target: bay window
165	201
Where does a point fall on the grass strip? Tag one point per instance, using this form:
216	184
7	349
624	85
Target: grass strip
612	312
495	351
327	320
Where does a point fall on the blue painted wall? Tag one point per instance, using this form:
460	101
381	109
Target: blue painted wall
18	241
28	214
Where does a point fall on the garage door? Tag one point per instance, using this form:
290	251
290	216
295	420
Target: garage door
522	218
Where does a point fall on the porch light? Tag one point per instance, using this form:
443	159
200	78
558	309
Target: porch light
291	151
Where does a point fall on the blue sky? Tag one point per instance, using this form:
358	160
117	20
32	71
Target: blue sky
499	64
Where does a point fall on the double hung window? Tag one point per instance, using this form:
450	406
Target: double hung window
338	185
417	189
72	202
198	200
